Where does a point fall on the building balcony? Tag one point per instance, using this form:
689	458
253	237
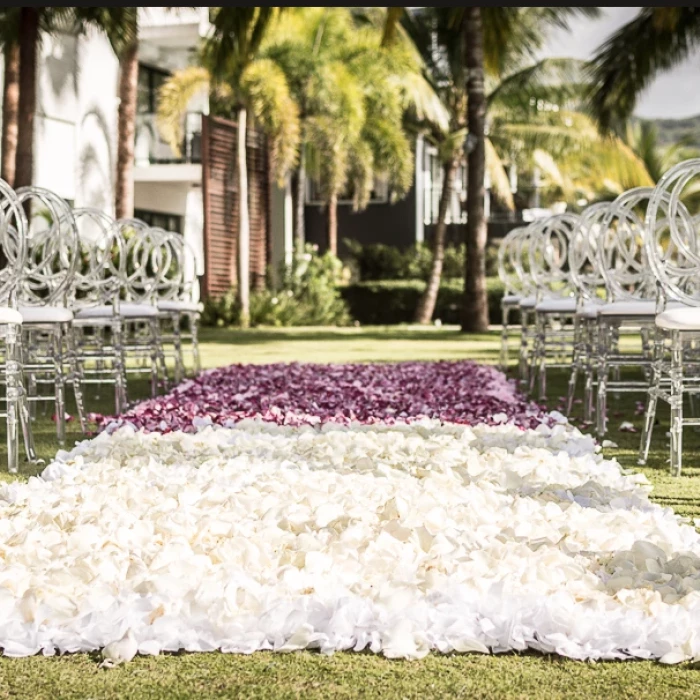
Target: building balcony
155	160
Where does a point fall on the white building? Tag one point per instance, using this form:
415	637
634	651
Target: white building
76	122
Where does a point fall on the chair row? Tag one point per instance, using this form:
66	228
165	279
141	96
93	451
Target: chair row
584	284
85	300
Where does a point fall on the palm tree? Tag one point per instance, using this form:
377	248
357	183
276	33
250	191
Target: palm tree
241	81
10	96
657	39
29	29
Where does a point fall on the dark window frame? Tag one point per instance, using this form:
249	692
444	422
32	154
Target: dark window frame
161	219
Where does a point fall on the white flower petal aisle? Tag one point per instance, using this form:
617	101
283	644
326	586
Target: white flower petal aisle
400	539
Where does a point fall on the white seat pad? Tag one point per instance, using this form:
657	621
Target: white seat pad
528	303
643	307
126	310
589	310
550	306
46	314
680	318
8	315
181	305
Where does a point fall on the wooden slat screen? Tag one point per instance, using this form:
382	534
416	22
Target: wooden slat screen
220	190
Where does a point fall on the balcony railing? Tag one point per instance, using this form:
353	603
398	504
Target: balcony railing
151	149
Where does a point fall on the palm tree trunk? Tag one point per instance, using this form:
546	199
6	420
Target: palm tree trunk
10	109
243	222
333	223
28	43
299	226
475	316
426	305
126	130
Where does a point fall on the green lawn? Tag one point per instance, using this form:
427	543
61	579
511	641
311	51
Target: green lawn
310	675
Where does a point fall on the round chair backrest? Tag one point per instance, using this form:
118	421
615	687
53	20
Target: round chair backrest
673	244
97	279
549	254
621	251
13	244
584	265
52	248
144	261
508	251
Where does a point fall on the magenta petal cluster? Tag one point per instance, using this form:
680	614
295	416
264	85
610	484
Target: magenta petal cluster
297	393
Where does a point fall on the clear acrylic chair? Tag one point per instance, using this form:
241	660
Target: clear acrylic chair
176	303
96	304
673	251
50	357
13	244
556	303
512	286
630	305
589	285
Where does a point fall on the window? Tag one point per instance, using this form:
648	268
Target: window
149	83
169	222
378	195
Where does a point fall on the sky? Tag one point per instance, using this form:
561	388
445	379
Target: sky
673	95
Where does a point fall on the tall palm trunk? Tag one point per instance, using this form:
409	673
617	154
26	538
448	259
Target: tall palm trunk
333	223
28	44
10	111
243	222
426	305
126	130
299	226
475	306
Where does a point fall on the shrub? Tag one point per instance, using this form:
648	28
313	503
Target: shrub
377	261
395	301
307	295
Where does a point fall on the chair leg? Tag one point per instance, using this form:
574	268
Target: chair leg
177	343
676	403
194	330
652	398
505	311
119	366
602	399
59	383
575	365
24	410
76	376
524	350
13	391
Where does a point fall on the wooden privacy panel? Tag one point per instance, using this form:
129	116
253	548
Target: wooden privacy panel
220	191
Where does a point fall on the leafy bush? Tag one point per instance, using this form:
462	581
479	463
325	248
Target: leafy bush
377	261
307	295
395	301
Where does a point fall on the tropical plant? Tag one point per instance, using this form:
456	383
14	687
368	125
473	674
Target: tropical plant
352	94
657	39
240	81
515	92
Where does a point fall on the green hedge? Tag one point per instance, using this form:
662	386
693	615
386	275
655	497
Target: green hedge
394	301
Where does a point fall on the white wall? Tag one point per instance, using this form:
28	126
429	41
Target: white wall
75	133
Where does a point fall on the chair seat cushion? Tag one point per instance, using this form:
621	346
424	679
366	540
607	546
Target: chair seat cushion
528	302
126	310
589	310
46	314
643	307
680	318
180	305
567	305
8	315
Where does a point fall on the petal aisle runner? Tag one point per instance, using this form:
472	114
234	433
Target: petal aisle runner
400	539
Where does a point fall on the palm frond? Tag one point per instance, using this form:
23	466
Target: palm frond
500	184
267	93
657	39
174	98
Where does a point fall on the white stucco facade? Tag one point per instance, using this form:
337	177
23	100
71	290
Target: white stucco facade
75	138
